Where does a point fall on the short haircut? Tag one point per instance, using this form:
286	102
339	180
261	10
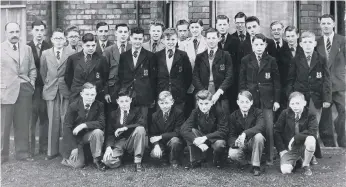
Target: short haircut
169	32
38	23
88	37
327	16
222	17
296	94
251	19
121	25
71	28
307	34
291	28
57	30
203	95
277	23
157	23
211	30
182	22
259	36
165	95
199	21
240	15
137	30
100	24
124	92
10	23
88	85
246	94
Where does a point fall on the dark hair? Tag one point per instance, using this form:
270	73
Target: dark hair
203	95
295	94
88	37
169	32
157	23
182	22
246	94
38	23
327	16
11	22
121	25
100	24
259	36
137	30
211	30
291	28
240	15
57	30
124	92
88	85
71	28
222	17
199	21
251	19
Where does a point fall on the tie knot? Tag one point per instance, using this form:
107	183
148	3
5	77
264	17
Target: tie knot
103	45
170	53
58	52
122	45
211	54
73	47
14	47
259	58
87	106
223	35
125	112
135	54
195	41
245	115
278	44
88	56
308	57
38	45
292	49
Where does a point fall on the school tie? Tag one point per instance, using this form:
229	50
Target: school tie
88	60
296	122
245	115
242	37
103	46
223	39
87	109
73	47
329	46
58	55
291	48
125	117
122	48
211	54
170	53
38	48
259	58
14	47
195	44
165	116
154	47
135	54
308	59
278	45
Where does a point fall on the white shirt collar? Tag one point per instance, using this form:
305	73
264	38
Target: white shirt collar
215	49
119	45
11	44
36	42
122	111
133	50
168	49
105	42
331	37
280	42
55	50
247	113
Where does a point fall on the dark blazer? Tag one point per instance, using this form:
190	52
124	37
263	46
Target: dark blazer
271	47
134	119
140	81
337	61
75	116
45	45
180	77
98	47
284	130
222	71
214	126
237	50
283	58
252	125
313	82
77	74
112	55
168	130
263	82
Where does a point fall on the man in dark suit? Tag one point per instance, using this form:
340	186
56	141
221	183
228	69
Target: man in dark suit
174	71
87	66
102	42
165	130
295	135
204	128
182	27
137	72
246	129
213	72
332	47
125	132
84	123
39	107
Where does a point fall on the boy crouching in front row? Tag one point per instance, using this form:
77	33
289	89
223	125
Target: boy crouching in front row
246	128
295	135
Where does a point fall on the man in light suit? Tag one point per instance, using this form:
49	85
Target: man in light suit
332	46
55	90
39	109
17	87
102	37
72	34
155	44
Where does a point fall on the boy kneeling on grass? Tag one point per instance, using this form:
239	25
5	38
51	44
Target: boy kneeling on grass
295	135
165	130
204	128
246	129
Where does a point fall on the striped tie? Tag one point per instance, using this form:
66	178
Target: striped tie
329	46
296	122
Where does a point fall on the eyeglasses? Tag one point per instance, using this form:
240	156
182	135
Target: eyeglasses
239	23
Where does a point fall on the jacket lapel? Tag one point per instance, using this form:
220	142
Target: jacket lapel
141	57
22	52
253	61
249	118
205	59
290	117
130	116
92	111
81	109
33	49
217	56
53	57
303	60
162	58
94	61
176	57
64	56
320	47
264	62
81	60
333	51
10	53
313	61
303	118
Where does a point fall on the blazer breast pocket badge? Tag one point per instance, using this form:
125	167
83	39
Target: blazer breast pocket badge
97	75
222	67
319	75
180	69
145	73
267	76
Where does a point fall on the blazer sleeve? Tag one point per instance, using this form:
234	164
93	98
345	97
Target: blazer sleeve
242	74
153	131
229	74
98	123
279	128
327	83
110	130
139	120
122	60
276	79
258	128
179	120
187	71
43	67
32	74
69	72
153	74
222	128
196	80
186	128
105	74
291	77
69	138
310	131
233	133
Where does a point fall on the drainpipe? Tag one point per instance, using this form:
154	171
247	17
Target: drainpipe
54	14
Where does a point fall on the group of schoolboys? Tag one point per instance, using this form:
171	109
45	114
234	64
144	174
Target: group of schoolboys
176	90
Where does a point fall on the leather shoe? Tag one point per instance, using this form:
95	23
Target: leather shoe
256	171
139	167
307	170
193	165
313	161
50	157
174	166
100	165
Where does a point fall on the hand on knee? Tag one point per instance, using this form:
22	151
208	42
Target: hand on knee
286	168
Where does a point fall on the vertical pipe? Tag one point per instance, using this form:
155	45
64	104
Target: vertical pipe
137	13
54	15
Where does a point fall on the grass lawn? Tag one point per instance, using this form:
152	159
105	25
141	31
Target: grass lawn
329	172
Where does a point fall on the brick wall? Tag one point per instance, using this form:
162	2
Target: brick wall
37	10
309	13
200	10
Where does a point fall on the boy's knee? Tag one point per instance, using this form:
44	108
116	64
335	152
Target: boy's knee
310	143
286	168
259	138
97	132
234	154
175	141
219	145
140	130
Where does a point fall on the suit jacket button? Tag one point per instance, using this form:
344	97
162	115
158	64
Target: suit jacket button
309	77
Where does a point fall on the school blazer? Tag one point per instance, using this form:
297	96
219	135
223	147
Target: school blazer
15	71
44	46
139	80
76	115
178	80
98	47
222	71
78	49
284	130
148	46
313	82
263	82
252	125
168	130
214	126
53	72
135	118
112	55
77	73
336	62
237	50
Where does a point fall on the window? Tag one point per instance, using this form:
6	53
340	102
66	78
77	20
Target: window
13	11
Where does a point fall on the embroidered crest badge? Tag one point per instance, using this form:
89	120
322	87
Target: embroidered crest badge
267	75
97	75
180	69
319	75
222	67
145	72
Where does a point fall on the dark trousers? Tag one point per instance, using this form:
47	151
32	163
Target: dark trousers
19	114
172	149
189	104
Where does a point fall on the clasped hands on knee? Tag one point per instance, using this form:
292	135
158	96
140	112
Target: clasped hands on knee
200	143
